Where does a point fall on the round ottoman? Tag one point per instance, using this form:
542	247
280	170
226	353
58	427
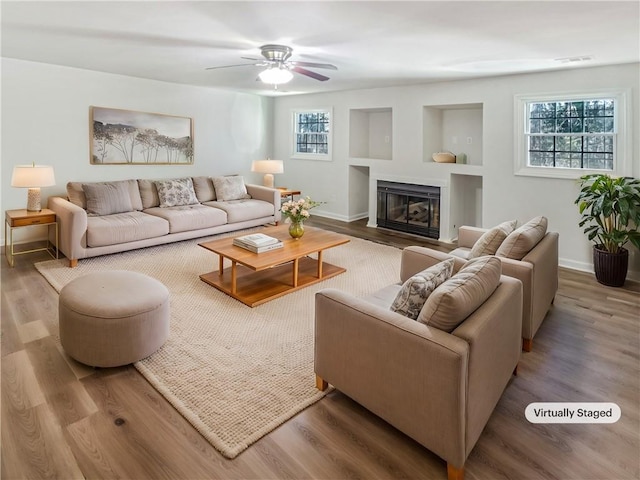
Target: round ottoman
113	318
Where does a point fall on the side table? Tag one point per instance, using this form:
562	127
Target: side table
23	218
285	192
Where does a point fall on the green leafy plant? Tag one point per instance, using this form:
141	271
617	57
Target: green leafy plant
610	209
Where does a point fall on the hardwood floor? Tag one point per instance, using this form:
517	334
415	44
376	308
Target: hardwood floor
64	420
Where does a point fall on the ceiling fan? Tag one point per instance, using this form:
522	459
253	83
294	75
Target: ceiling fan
279	67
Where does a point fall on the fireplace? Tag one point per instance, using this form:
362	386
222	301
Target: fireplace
409	208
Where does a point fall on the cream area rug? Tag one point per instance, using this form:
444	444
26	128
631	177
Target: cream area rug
235	372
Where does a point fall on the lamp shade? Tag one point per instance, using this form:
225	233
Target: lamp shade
267	166
275	76
32	176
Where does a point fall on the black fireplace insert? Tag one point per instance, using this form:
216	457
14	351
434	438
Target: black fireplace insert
409	208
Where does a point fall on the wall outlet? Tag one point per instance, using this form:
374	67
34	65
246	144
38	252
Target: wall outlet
469	140
387	139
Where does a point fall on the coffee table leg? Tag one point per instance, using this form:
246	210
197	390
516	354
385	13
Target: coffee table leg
233	276
295	272
220	264
320	264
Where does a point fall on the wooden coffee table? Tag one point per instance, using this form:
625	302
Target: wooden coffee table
256	278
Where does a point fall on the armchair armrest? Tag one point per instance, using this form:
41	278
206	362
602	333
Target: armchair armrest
271	195
415	259
72	221
468	236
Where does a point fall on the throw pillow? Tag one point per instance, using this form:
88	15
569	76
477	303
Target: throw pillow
520	242
107	198
489	242
76	194
204	189
176	192
230	187
415	291
458	297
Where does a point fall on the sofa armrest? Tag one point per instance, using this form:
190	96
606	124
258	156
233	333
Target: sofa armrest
72	222
415	259
468	236
411	375
267	194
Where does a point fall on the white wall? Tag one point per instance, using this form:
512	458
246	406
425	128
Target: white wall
505	196
45	119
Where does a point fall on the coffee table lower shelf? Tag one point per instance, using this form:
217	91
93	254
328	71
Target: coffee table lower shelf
256	287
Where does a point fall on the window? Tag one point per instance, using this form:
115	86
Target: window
569	136
312	134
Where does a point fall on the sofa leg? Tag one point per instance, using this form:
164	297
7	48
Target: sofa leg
515	371
73	263
527	344
321	383
454	473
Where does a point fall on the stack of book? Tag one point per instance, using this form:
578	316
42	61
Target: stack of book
257	242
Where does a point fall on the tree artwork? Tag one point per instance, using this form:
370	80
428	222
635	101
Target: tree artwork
128	137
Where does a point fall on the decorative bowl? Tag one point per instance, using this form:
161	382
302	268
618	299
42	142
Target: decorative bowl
444	157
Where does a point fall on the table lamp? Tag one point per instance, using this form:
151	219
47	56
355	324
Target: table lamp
33	177
268	167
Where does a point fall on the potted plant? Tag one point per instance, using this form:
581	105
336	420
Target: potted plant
610	209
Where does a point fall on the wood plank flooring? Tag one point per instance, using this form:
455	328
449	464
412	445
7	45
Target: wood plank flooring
63	420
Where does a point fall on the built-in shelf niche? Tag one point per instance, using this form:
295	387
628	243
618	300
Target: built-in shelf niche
454	128
465	202
371	133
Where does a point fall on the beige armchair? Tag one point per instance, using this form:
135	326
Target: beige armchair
438	388
538	272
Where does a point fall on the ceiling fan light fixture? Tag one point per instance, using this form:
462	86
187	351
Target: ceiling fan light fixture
275	76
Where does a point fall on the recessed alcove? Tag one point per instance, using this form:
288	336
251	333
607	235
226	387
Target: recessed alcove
371	133
465	203
455	128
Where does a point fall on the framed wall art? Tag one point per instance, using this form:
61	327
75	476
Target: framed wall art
125	137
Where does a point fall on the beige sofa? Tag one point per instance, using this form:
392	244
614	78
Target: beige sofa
108	217
537	270
439	388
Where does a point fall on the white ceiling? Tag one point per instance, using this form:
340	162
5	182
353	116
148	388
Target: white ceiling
373	44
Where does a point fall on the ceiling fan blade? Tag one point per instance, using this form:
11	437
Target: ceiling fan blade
315	65
309	73
239	65
254	59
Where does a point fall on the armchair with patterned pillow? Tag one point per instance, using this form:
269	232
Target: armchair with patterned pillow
431	354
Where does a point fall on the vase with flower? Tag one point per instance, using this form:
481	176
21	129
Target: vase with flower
297	211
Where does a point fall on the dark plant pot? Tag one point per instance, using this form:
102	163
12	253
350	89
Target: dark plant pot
610	268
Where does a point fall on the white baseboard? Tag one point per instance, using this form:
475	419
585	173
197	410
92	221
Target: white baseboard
588	267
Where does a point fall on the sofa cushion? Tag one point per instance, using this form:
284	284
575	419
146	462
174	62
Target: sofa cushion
230	187
204	189
176	192
242	210
148	193
415	291
489	242
106	198
76	194
123	228
457	298
520	242
189	217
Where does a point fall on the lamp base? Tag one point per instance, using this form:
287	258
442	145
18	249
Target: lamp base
33	200
267	181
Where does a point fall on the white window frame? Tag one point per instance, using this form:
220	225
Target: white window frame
622	139
326	157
